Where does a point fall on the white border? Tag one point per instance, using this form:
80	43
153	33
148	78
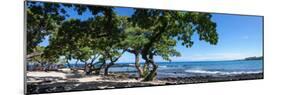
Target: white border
11	49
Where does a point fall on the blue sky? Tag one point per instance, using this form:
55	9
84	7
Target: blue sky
239	37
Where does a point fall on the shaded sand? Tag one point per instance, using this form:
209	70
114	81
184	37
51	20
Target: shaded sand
53	76
54	81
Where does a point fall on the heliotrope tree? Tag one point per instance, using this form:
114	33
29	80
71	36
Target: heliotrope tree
98	37
167	28
105	36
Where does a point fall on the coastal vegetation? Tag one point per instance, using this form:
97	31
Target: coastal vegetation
102	39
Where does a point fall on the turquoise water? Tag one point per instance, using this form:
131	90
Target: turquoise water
202	68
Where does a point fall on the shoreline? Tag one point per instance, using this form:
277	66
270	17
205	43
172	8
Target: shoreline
102	82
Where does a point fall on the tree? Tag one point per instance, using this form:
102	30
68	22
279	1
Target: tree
50	56
45	59
135	38
170	25
84	40
42	19
105	30
73	38
38	59
73	42
100	40
111	45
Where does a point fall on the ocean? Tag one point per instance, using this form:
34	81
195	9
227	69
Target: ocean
190	69
200	68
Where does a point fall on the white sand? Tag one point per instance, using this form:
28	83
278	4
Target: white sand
39	74
124	80
89	78
46	74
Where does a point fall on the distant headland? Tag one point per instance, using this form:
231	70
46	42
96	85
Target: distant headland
254	58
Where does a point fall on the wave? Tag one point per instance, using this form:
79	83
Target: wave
222	72
163	66
170	66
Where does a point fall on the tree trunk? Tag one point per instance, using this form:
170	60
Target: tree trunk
145	69
88	69
76	66
97	71
137	64
107	68
48	67
112	62
148	56
42	68
153	73
68	64
92	66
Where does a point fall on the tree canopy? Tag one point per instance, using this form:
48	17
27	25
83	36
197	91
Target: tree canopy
167	28
105	36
